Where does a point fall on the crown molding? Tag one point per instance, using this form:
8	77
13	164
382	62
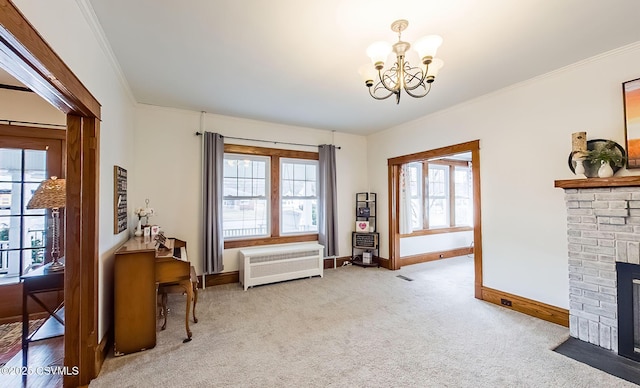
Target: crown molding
92	19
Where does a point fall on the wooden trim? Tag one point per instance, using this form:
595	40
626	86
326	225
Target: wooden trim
27	57
264	151
384	263
623	181
37	132
438	152
477	219
254	242
221	278
274	208
530	307
102	351
426	232
432	256
89	249
394	209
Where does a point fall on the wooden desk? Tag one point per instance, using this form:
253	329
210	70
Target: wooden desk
33	283
138	272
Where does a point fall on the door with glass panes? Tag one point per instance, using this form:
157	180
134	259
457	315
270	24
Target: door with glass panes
27	157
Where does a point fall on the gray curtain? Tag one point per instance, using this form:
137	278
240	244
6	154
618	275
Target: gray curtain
327	203
212	194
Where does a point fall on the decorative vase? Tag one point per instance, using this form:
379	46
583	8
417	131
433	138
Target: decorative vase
579	169
605	170
138	232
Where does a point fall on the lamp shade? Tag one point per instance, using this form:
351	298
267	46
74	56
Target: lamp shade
50	194
378	52
435	67
367	72
428	45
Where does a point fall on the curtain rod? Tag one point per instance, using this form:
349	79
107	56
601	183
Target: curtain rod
268	141
13	122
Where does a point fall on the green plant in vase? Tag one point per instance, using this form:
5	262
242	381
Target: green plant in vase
607	156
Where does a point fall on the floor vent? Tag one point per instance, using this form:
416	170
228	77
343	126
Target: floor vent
405	278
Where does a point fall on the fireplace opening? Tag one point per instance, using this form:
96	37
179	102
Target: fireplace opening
628	276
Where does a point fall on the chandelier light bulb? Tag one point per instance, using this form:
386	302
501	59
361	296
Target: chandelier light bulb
368	74
434	68
378	53
427	46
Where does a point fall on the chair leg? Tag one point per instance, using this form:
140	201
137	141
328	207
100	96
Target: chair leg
164	310
195	300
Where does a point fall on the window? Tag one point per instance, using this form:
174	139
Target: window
298	196
440	194
270	196
21	230
27	157
246	184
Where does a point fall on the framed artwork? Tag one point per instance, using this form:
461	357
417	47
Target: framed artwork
631	97
119	199
362	226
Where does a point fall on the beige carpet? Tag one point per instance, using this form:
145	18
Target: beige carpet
356	327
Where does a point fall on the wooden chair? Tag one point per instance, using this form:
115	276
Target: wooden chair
165	289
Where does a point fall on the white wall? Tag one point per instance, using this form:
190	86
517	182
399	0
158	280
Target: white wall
525	138
417	245
62	23
168	169
17	105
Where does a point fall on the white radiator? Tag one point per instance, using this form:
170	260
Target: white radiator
280	262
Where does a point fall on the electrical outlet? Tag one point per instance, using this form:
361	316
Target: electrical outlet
505	302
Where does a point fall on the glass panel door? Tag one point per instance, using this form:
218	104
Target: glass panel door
22	231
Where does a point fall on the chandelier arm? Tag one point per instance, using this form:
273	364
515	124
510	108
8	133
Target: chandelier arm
387	75
427	90
372	90
411	76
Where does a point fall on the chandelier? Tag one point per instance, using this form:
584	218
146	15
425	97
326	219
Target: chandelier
415	81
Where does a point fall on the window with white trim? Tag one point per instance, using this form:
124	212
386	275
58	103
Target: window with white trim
298	196
245	196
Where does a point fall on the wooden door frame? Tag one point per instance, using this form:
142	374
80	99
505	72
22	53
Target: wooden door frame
394	165
27	57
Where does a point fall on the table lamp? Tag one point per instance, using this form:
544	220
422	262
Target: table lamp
51	194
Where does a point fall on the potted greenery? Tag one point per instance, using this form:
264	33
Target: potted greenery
607	156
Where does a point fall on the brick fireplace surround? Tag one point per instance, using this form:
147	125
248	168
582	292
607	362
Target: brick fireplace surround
603	227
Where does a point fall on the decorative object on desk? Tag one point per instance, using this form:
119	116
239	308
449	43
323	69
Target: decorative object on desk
631	97
597	150
51	194
119	199
154	230
362	226
143	212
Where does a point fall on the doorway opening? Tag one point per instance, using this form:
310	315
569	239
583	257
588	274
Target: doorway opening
448	203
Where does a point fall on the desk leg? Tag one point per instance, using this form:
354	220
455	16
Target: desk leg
25	328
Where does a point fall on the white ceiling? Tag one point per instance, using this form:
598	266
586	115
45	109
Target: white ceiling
295	62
